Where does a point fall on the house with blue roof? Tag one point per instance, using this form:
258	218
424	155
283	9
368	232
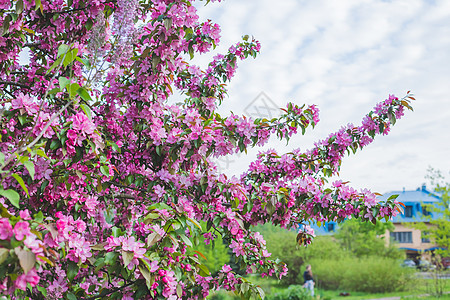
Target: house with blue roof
409	239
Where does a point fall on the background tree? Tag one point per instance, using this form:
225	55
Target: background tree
439	231
104	182
437	226
214	252
362	238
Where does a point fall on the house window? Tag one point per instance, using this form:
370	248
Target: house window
330	227
425	212
408	211
424	238
402	237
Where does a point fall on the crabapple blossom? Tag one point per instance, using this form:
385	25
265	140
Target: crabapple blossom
108	187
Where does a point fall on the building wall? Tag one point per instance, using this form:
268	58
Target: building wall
416	243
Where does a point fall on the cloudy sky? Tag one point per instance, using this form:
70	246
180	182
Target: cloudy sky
345	56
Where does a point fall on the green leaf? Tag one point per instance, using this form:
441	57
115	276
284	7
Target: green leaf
191	52
153	238
54	65
6	22
3	254
84	94
41	153
84	62
42	289
105	170
2	158
203	269
19	6
116	232
186	240
110	258
73	88
72	270
22	119
86	110
63	82
195	223
261	292
393	197
20	181
54	91
62	48
30	167
159	205
39	217
39	6
127	257
70	57
71	296
147	275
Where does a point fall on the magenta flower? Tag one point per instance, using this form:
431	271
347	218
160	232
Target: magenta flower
5	229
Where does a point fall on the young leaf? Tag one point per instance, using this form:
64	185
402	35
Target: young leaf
84	94
63	82
62	48
22	184
105	170
3	254
73	89
30	167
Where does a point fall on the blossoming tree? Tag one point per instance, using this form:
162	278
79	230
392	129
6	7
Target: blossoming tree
106	188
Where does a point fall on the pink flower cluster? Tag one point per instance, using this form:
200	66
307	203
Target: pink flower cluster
113	193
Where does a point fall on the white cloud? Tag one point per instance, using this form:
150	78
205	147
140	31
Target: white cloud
345	56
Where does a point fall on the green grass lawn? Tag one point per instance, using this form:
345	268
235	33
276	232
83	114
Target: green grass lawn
423	286
410	295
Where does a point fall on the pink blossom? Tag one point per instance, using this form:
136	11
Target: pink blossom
6	230
25	214
80	249
226	268
154	266
31	277
21	229
36	246
82	124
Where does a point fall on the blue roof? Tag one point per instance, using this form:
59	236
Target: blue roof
414	199
418	196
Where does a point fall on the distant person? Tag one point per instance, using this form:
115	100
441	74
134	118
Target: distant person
309	281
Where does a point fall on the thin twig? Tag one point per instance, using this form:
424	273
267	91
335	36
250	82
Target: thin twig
20	150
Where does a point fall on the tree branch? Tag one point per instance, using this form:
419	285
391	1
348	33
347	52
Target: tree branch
15	83
102	295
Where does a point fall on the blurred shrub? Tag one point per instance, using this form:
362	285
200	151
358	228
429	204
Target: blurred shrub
294	292
369	274
222	295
